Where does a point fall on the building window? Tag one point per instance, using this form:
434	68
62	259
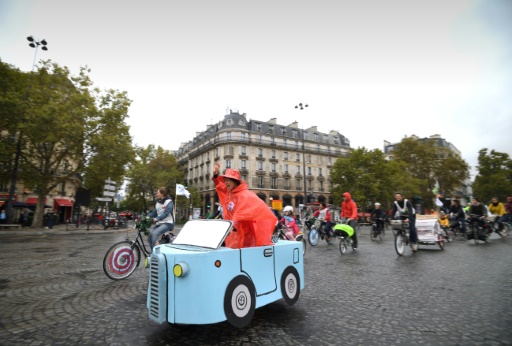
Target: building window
243	164
310	171
258	127
316	137
297	157
283	131
260	165
229	122
319	171
243	150
273	154
295	134
260	152
287	184
335	140
286	168
297	169
270	128
229	136
285	156
228	163
273	167
274	183
216	152
260	138
260	182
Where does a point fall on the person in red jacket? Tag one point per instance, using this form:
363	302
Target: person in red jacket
349	214
253	221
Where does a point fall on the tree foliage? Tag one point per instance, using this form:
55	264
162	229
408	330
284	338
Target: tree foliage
369	178
60	121
494	177
432	166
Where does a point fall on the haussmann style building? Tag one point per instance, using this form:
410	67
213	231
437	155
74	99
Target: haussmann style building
275	160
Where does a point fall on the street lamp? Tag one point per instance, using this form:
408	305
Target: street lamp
301	107
34	44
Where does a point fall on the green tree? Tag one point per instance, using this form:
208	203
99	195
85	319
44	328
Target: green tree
58	120
494	176
151	169
431	165
369	178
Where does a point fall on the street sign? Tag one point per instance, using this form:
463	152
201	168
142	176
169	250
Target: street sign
109	187
109	193
110	182
104	199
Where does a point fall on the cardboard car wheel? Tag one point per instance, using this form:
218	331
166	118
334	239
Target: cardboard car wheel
240	301
290	285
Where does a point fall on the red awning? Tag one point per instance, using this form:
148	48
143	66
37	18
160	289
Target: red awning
63	202
31	200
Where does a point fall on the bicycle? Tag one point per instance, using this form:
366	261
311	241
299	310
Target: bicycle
477	230
401	231
378	230
456	229
494	226
123	258
317	231
280	233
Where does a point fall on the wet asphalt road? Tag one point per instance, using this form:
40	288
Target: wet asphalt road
53	292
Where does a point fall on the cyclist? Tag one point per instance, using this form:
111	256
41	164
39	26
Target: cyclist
288	220
507	217
477	213
349	212
324	214
162	215
457	212
497	208
403	210
378	216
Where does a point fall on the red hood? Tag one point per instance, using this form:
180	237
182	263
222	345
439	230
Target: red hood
348	196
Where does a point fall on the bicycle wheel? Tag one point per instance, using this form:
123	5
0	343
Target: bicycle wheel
313	237
343	245
440	242
330	240
475	234
504	232
399	243
121	260
373	233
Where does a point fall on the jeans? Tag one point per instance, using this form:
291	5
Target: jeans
413	235
353	223
504	218
157	231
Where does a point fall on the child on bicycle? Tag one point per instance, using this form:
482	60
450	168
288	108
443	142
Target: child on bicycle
324	214
288	220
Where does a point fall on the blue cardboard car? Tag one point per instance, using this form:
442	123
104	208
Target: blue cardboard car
196	280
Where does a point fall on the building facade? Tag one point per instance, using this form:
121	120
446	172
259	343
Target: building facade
279	162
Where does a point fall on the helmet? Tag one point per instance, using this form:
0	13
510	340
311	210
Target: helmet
377	203
288	208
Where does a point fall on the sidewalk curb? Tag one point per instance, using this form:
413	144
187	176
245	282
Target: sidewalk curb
61	230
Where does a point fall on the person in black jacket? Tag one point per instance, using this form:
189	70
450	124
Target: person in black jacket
403	209
457	212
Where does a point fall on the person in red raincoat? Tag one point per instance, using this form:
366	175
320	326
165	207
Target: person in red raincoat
253	221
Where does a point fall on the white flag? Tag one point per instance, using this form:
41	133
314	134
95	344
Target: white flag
181	191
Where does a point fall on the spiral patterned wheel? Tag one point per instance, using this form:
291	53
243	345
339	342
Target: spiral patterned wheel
121	260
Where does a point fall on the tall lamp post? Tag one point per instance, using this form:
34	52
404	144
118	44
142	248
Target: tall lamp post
301	107
12	189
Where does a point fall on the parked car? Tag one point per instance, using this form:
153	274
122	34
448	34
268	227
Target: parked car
196	280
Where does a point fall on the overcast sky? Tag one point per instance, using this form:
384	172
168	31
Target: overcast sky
373	70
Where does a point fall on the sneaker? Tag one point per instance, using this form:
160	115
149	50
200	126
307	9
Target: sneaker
354	246
414	247
329	238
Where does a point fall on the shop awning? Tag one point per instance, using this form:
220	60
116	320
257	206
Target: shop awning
63	202
31	200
